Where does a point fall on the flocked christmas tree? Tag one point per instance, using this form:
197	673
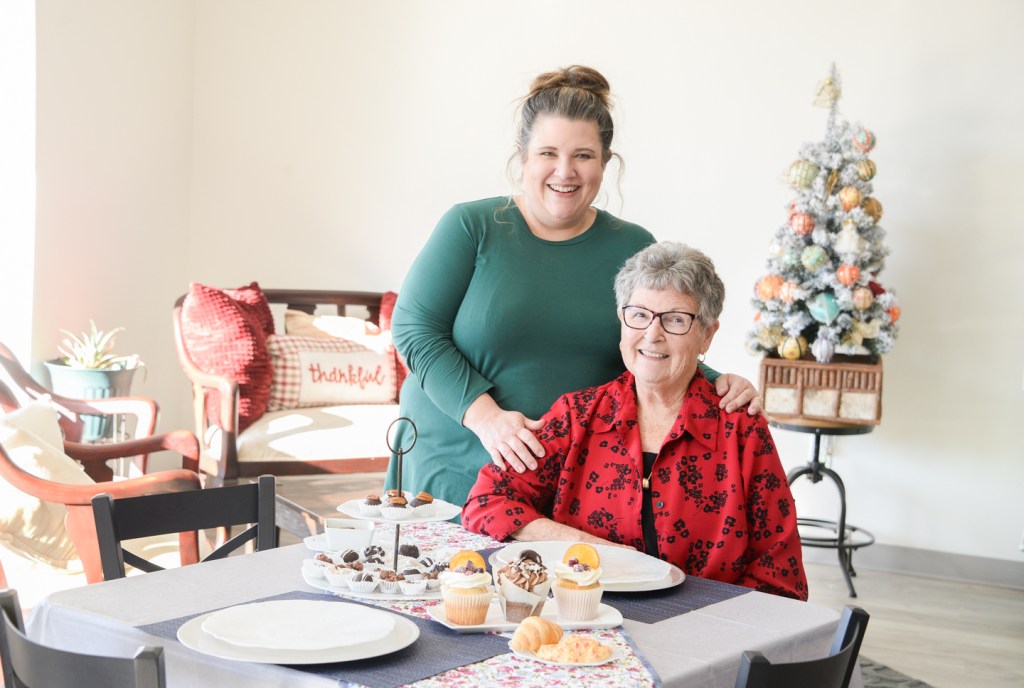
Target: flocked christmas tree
821	287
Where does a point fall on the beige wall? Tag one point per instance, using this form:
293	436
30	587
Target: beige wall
315	144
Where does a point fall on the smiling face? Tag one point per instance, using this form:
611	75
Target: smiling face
562	171
660	361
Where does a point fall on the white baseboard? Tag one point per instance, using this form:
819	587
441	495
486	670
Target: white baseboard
929	564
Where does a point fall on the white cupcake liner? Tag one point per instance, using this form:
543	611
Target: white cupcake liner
466	609
389	587
433	583
338	577
410	587
396	514
313	568
362	586
424	510
578	605
369	509
517	603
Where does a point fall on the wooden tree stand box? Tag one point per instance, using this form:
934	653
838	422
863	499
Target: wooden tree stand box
844	391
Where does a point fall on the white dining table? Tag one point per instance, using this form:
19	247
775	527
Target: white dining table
701	648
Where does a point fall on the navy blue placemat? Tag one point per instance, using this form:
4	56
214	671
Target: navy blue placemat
657	605
437	650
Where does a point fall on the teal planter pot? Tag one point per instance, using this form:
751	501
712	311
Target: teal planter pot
91	383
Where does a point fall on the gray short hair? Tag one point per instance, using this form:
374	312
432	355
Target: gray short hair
672	265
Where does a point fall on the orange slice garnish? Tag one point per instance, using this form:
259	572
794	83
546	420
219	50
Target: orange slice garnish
467	555
584	554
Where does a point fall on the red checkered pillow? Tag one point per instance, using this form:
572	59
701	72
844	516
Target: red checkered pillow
321	371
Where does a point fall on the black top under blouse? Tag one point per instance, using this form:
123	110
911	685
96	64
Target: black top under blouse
647	509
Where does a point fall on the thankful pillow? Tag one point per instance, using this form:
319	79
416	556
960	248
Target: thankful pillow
225	332
29	526
324	371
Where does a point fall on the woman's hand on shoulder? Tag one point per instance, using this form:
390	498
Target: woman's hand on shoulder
508	436
736	392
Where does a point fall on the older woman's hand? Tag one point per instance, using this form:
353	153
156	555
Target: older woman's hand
506	435
737	391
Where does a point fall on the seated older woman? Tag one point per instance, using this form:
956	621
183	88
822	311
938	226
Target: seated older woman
649	460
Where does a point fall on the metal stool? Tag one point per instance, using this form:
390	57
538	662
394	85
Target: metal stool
842	537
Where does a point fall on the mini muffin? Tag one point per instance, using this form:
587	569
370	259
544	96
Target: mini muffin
577	586
370	506
467	595
362	582
396	509
423	504
389	581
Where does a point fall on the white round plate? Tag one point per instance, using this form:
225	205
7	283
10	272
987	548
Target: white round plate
192	635
624	570
617	653
298	625
322	584
607	617
443	511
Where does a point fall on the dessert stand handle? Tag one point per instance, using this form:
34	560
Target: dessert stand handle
399	453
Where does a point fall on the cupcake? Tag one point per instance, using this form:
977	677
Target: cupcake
389	581
465	589
313	568
370	506
396	509
423	504
523	586
577	586
362	582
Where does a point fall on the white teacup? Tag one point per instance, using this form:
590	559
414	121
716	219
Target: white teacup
348	533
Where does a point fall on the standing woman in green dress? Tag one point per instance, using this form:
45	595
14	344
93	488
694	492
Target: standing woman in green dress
510	304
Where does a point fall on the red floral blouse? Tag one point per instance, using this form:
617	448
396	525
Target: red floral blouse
722	507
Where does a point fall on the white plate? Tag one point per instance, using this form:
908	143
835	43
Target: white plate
617	653
192	636
607	617
298	625
443	511
322	584
620	565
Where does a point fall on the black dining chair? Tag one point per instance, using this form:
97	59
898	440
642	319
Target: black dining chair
185	513
27	664
833	671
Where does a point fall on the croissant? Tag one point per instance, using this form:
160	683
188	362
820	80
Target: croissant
534	632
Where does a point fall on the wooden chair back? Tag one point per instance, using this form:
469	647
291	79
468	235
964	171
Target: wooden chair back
185	513
833	671
18	388
27	664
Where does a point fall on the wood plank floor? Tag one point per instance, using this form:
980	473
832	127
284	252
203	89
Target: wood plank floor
949	634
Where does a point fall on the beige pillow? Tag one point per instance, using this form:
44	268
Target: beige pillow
29	526
341	326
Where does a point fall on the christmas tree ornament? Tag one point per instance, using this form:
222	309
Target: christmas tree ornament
770	337
862	298
823	307
813	258
788	292
848	274
793	348
802	174
866	169
776	248
848	240
828	93
876	288
849	196
802	224
864	140
823	349
768	287
833	177
849	223
789	259
872	208
894	313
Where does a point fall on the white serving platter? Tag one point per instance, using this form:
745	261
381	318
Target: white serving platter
625	570
377	595
443	511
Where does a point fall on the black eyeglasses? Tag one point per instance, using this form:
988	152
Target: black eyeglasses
673	322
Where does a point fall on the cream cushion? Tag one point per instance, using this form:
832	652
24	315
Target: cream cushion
29	526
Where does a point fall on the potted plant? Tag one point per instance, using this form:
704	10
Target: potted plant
89	369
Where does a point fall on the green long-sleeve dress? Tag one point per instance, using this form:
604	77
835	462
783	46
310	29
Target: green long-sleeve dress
489	307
